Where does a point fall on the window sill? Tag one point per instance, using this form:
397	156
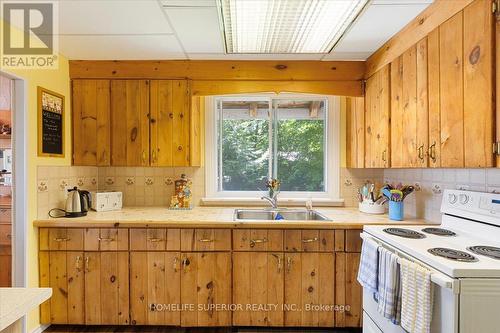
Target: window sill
284	202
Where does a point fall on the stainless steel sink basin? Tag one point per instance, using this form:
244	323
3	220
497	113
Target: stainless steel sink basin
270	215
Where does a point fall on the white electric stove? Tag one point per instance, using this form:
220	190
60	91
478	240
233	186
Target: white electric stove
463	253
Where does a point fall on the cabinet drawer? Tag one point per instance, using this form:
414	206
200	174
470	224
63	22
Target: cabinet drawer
353	241
159	239
257	240
5	215
205	239
310	240
64	239
106	239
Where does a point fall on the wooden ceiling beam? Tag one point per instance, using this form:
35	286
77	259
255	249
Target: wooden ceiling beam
218	70
434	15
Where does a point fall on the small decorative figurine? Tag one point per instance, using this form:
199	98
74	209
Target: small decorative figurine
182	195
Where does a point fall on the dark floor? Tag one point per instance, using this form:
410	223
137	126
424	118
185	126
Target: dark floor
162	329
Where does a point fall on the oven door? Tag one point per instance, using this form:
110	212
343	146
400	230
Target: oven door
444	315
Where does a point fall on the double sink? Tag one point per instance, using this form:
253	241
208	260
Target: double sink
274	214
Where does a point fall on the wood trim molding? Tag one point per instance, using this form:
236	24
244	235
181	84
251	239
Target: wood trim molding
340	88
434	15
218	70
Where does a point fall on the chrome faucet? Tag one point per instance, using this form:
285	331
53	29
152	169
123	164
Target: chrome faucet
272	200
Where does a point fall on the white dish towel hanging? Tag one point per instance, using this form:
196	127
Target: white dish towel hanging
416	297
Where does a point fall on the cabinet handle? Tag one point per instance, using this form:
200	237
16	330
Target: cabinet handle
143	157
279	265
421	152
310	240
289	264
206	240
384	157
105	239
432	152
155	240
153	155
77	263
171	115
61	239
185	264
87	259
176	260
257	241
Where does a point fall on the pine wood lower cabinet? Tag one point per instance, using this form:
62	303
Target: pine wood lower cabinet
87	287
201	277
258	288
174	288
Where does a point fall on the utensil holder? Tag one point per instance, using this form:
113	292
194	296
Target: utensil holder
371	208
396	210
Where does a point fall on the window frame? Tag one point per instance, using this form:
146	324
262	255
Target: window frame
332	153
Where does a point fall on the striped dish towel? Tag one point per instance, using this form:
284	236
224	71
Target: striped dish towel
388	285
368	266
417	297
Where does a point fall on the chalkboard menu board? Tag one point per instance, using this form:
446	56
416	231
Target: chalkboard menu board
50	123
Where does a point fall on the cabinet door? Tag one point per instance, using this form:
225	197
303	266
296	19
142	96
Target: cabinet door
63	272
170	123
409	108
355	118
348	292
479	116
377	120
91	122
451	91
206	286
258	287
155	284
309	285
130	122
433	93
106	288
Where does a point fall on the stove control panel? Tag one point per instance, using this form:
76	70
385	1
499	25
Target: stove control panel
479	206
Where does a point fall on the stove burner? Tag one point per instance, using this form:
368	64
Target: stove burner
452	254
488	251
439	231
406	233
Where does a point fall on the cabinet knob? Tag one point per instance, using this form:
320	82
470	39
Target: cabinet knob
179	148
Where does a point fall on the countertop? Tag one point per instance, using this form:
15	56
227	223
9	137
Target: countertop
217	217
17	302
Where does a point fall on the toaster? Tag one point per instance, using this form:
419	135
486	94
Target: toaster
107	200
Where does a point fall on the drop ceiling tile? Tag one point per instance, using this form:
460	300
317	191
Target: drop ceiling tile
373	28
108	17
145	47
198	28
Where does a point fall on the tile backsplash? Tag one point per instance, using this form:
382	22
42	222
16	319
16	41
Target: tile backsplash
426	202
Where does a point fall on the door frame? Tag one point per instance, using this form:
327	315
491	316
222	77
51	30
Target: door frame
19	185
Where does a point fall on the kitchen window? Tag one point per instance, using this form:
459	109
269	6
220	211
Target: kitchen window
294	138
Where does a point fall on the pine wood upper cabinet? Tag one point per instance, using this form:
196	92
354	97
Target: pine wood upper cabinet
91	122
355	119
130	122
170	123
409	108
258	279
377	119
309	284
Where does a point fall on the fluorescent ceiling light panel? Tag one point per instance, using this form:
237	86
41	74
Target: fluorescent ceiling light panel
286	26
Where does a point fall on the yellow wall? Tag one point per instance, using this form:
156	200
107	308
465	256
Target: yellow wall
57	81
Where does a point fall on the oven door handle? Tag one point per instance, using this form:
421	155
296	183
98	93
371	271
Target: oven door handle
436	277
